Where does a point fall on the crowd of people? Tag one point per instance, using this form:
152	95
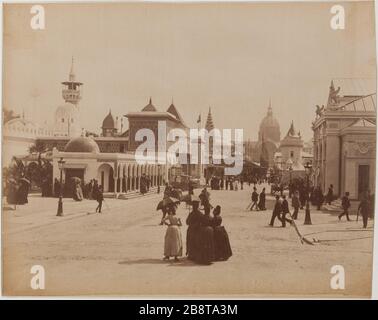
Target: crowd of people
232	183
17	191
78	190
206	241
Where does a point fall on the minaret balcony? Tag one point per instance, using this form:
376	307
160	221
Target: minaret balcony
71	95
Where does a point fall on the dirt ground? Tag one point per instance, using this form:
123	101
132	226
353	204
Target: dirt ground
119	252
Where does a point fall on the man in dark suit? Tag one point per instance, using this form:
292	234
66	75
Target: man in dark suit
345	203
255	198
276	211
285	210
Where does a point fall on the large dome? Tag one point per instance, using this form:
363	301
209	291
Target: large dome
269	128
64	110
82	144
269	120
109	122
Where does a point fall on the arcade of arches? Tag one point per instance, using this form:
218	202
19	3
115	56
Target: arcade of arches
125	177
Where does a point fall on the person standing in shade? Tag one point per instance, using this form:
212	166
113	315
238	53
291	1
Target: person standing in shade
330	195
364	208
261	204
99	198
276	211
205	251
192	234
56	188
254	198
285	211
345	203
295	204
222	247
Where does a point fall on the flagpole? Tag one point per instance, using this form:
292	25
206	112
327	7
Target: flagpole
199	147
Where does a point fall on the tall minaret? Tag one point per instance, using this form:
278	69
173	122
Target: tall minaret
71	88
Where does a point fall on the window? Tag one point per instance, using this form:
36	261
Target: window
291	154
62	120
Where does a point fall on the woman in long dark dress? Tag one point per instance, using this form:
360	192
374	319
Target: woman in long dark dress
192	234
222	245
261	204
205	250
330	195
22	192
11	193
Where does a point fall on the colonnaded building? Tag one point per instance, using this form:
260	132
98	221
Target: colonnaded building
108	157
345	138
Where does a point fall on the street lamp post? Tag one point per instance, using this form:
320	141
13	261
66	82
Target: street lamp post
158	188
308	167
61	163
289	165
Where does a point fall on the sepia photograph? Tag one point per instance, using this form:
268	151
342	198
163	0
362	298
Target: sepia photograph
188	149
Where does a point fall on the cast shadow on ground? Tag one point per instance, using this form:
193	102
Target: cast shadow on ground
183	262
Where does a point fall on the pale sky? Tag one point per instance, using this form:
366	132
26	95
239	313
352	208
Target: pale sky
232	57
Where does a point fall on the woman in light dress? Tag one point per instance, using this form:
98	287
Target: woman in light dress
173	239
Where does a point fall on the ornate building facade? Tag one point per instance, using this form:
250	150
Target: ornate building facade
345	138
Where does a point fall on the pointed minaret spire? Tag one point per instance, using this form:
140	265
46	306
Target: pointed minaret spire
72	73
270	110
209	122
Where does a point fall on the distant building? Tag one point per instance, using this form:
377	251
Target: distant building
19	134
291	157
345	137
290	151
268	139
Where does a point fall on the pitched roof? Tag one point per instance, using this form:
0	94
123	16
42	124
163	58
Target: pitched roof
355	87
172	110
363	123
366	103
149	107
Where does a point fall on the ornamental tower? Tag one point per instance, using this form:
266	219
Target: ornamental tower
71	89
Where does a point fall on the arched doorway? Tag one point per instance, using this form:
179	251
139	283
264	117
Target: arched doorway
105	177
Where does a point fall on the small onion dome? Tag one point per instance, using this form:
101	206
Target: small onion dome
108	122
149	107
82	144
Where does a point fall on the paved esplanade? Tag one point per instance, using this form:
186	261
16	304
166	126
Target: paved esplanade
120	251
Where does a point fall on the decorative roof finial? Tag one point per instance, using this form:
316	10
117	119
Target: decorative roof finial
72	73
270	110
209	121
